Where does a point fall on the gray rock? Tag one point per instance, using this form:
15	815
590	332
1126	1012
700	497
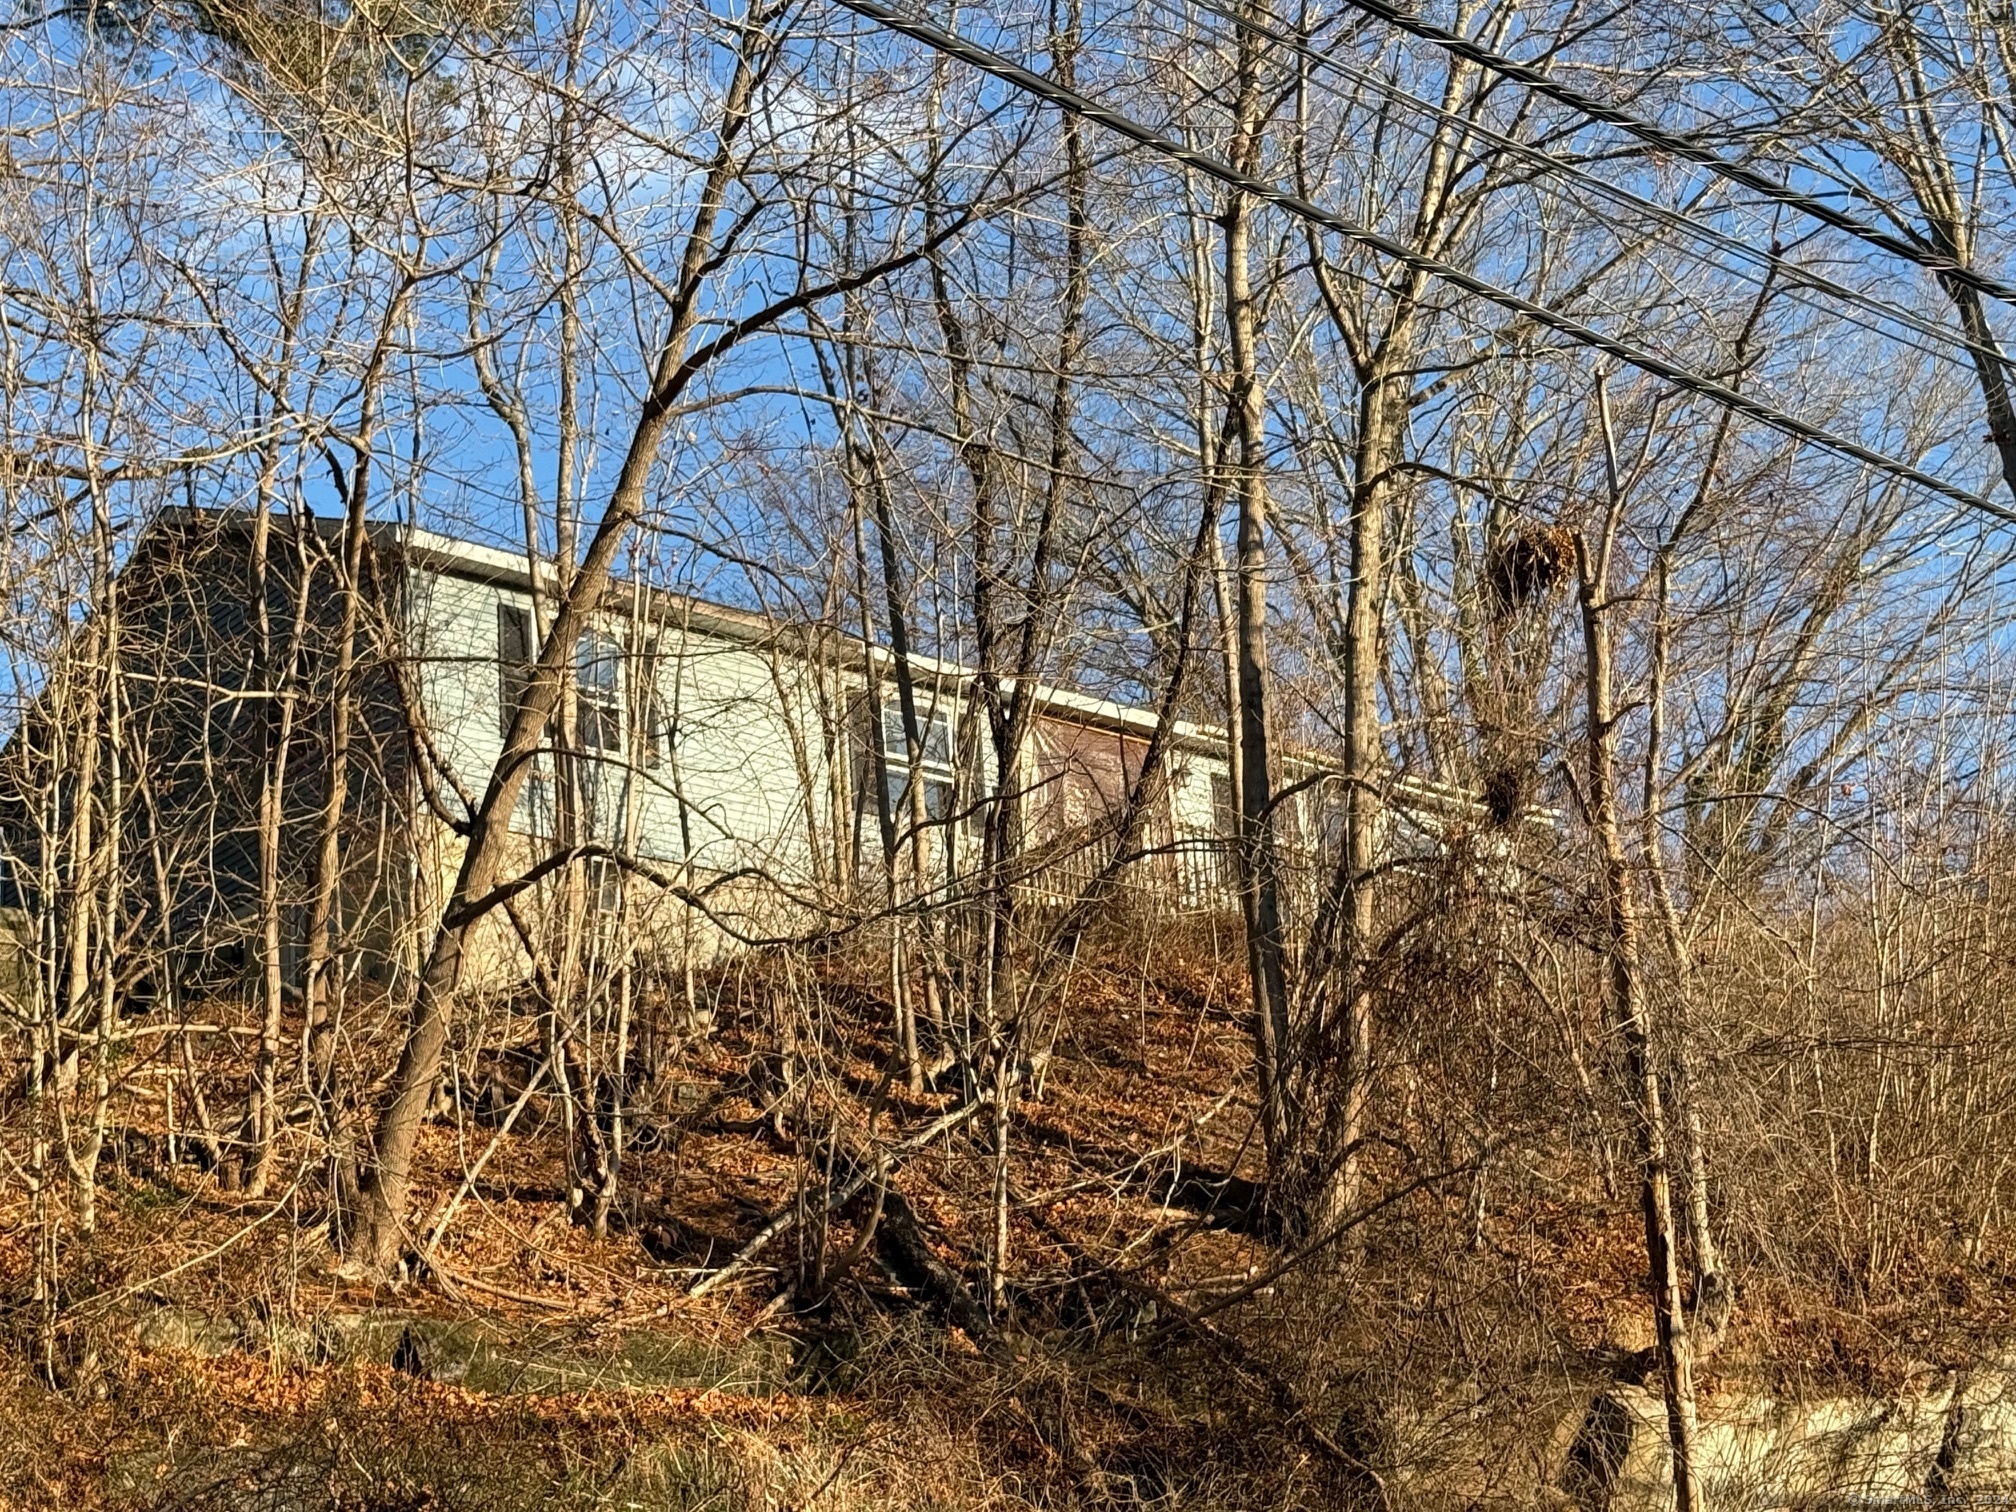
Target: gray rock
187	1331
1954	1439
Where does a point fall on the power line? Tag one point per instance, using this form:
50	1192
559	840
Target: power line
1681	145
1049	91
1797	276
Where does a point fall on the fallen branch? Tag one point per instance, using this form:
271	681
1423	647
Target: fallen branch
783	1221
908	1256
1191	1316
449	1278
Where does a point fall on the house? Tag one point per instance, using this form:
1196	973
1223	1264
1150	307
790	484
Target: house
725	751
713	752
716	743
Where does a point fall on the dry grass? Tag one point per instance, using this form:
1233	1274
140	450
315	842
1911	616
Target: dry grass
1497	1312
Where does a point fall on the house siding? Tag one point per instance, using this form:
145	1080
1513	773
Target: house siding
740	781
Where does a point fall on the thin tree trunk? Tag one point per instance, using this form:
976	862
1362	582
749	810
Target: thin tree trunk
1712	1294
1382	427
322	970
1259	863
276	679
83	879
1211	476
1004	833
1991	369
279	713
1628	1010
105	895
605	1190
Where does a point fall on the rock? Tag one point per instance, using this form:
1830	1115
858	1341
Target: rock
1954	1439
1977	1456
185	1330
432	1354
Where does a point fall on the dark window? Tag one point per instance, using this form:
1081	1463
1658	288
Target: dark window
657	731
605	883
599	718
534	813
934	767
1224	813
937	798
514	661
657	718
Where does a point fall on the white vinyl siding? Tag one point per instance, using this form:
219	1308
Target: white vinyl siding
704	749
716	746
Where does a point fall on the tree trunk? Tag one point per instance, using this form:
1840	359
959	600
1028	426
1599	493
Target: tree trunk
1382	428
386	1185
1260	887
1625	1000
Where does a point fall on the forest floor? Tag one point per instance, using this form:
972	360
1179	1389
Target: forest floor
214	1353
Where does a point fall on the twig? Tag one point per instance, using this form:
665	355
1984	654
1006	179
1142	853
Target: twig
469	1179
459	1278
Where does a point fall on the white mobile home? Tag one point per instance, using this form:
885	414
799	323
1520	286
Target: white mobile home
703	749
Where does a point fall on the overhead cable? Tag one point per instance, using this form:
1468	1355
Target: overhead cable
1681	145
1796	275
1063	98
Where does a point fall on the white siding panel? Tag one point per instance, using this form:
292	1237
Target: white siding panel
1191	806
733	783
451	630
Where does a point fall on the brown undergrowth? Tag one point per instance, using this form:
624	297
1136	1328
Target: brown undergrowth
1138	1364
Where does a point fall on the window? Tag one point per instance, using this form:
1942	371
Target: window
658	731
657	718
599	708
934	767
534	813
514	661
605	884
1224	810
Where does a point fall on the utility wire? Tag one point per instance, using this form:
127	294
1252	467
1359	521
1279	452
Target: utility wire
1016	76
1797	276
1681	145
